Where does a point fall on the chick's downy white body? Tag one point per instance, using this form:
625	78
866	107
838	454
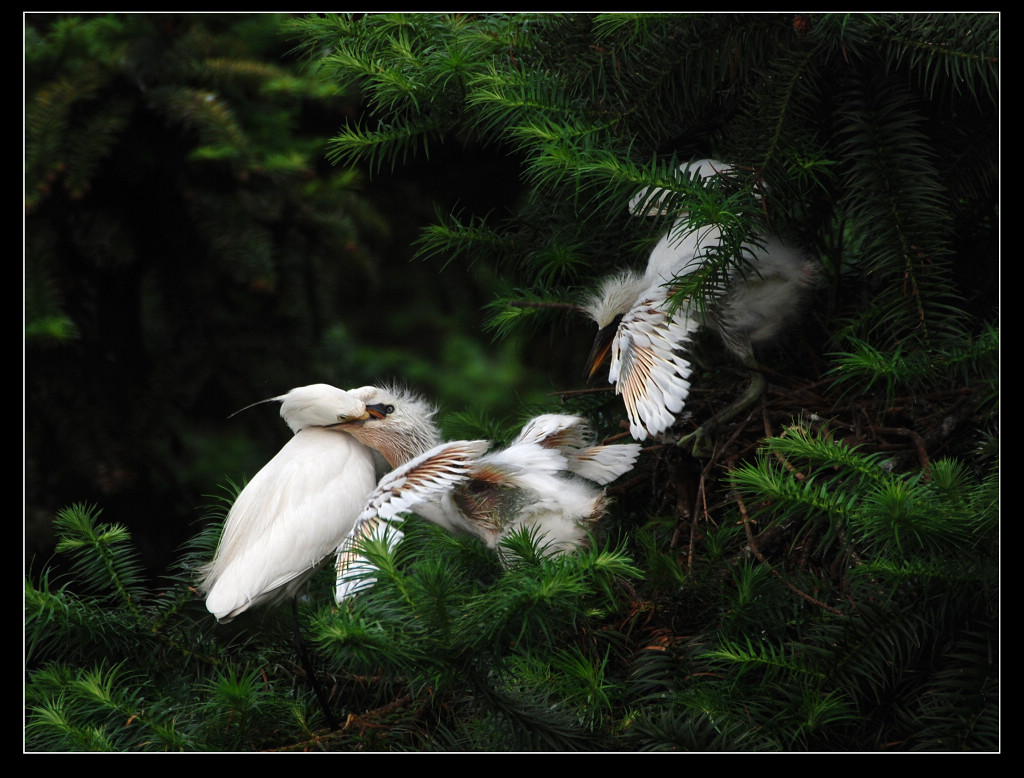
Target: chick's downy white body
296	509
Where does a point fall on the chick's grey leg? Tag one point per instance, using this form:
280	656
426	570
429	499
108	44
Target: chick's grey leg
701	441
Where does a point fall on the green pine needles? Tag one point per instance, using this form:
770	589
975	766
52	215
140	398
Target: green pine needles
852	613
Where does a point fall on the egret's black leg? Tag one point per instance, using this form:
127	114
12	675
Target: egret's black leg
300	649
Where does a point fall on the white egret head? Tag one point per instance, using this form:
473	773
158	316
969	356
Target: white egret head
315	405
614	298
320	405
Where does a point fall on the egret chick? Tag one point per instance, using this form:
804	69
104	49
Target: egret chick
646	343
546	479
296	509
401	426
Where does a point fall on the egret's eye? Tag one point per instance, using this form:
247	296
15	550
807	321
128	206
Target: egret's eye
379	411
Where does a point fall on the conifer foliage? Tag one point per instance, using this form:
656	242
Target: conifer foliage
825	580
186	247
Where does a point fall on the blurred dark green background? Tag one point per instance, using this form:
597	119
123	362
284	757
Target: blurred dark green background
189	250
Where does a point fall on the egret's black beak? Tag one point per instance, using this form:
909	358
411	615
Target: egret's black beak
378	411
601	349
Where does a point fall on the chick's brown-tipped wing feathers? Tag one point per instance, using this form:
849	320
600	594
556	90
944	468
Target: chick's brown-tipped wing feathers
647	368
423	485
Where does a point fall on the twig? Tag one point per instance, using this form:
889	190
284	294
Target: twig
922	450
757	552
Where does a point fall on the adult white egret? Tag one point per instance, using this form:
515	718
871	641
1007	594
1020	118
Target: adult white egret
297	508
646	342
546	479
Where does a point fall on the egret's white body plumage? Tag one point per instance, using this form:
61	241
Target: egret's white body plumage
648	363
546	479
296	509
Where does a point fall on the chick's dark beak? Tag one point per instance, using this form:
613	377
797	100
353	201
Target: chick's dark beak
601	349
378	411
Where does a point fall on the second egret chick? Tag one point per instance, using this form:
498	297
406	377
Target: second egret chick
547	479
646	342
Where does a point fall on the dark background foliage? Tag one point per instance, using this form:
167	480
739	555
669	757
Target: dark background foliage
190	250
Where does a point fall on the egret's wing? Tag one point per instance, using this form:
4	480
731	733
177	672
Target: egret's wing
423	486
521	456
573	436
603	464
354	572
556	430
647	367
